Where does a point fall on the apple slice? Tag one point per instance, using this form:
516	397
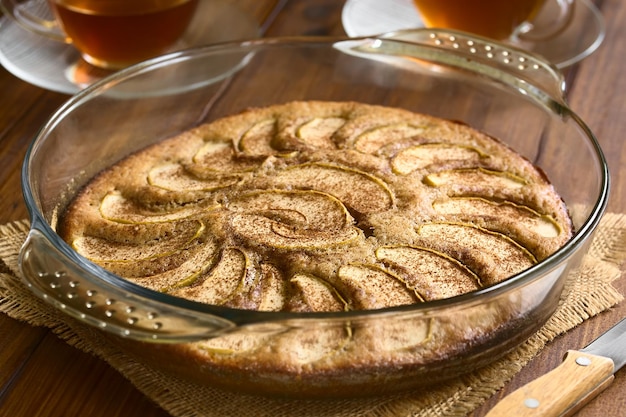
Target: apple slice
98	250
244	341
234	343
394	335
174	177
231	274
493	256
257	141
316	294
145	268
318	132
220	158
520	217
271	289
133	233
472	177
370	287
183	274
301	345
212	150
116	208
263	288
358	190
432	274
165	260
373	139
421	156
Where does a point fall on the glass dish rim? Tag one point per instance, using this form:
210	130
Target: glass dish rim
239	316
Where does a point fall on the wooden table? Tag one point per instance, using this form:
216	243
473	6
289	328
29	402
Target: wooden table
42	376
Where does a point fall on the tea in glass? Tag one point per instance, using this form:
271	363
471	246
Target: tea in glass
117	33
495	19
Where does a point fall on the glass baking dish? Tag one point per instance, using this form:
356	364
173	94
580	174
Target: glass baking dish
503	91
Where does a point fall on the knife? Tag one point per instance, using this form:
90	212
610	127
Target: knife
567	388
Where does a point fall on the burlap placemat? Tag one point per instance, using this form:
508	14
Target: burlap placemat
588	292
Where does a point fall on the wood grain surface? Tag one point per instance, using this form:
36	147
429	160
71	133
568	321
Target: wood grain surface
42	376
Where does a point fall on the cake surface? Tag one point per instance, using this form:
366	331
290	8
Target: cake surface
322	206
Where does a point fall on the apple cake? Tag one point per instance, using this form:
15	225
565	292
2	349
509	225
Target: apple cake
322	207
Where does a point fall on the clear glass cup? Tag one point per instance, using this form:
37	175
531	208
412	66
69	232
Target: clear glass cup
109	34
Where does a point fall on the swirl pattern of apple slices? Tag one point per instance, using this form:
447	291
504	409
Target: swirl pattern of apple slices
349	207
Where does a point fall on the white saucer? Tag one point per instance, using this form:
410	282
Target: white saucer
582	36
58	67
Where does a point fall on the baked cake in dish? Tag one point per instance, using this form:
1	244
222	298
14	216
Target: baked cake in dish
321	207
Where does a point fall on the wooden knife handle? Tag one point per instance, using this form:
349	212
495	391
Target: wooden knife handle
562	391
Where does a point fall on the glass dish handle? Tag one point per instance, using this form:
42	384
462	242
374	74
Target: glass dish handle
110	307
513	65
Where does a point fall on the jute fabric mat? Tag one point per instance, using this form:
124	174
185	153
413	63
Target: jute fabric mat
588	292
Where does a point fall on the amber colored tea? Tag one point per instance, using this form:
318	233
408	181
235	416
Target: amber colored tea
496	19
117	33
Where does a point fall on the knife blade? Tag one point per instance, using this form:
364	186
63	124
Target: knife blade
566	389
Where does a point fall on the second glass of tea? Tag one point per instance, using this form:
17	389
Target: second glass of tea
498	19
